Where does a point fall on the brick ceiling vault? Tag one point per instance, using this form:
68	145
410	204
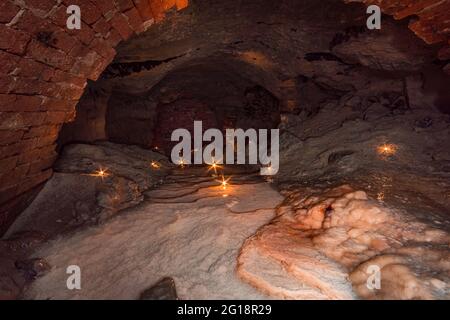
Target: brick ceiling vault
430	20
44	68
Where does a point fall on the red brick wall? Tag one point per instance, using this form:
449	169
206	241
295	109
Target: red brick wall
432	22
43	72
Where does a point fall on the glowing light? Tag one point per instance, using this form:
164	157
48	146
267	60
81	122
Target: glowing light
224	182
155	165
102	173
380	196
214	166
387	149
182	163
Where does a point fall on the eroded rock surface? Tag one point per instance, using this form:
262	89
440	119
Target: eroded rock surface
321	245
162	290
188	228
78	194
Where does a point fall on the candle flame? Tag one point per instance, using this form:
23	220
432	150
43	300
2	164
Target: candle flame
155	165
214	166
224	182
387	149
102	173
182	163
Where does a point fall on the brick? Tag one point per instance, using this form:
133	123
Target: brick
8	62
26	86
104	49
113	37
26	103
124	5
8	164
120	23
10	136
59	16
20	120
55	117
6	83
29	68
181	4
69	91
34	25
49	56
33	181
79	50
102	27
71	115
144	9
47	73
62	40
8	11
90	66
12	176
48	150
54	104
12	40
46	140
6	101
105	6
61	76
158	9
41	165
28	156
44	5
89	12
134	20
36	132
85	34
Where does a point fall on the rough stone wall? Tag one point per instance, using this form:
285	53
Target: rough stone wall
89	123
43	72
431	21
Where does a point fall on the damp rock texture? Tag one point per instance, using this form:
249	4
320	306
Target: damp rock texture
93	183
323	244
189	229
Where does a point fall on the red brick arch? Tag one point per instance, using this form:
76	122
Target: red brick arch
44	68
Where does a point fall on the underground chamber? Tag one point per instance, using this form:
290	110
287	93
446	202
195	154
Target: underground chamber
334	184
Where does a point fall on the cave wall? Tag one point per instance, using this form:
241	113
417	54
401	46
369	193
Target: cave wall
43	74
89	123
130	119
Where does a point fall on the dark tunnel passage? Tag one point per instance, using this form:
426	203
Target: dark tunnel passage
357	176
201	91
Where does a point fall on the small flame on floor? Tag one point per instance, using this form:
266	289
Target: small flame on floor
182	163
102	173
380	196
387	149
224	182
214	166
155	165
